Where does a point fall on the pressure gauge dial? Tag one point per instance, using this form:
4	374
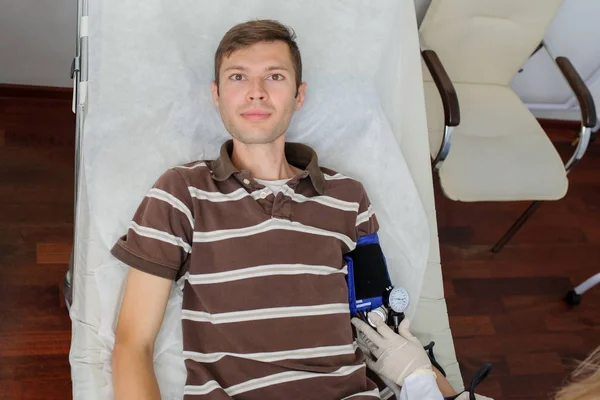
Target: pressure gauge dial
399	299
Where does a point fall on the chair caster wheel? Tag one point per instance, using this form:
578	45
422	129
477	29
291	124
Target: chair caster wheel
572	298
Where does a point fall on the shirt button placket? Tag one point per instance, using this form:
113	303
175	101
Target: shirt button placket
282	204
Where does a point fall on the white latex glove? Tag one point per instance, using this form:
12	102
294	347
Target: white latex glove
361	341
396	355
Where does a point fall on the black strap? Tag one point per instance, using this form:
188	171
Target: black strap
429	350
480	375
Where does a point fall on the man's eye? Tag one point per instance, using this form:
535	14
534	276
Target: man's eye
237	77
276	77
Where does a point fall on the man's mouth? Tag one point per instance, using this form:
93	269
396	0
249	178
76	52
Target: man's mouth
256	115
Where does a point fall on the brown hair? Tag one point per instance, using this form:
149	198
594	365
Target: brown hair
585	381
252	32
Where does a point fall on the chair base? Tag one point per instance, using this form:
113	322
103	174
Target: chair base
573	298
516	226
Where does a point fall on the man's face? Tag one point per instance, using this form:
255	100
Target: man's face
256	94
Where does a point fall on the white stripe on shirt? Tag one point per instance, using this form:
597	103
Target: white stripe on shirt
325	200
263	270
173	201
160	235
284	377
200	164
201	389
217	197
335	177
270	380
241	193
371	393
365	216
265	313
297	354
269	225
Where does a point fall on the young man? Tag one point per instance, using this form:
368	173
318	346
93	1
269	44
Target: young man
258	237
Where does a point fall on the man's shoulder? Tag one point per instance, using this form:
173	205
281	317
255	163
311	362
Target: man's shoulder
336	181
192	168
190	173
197	164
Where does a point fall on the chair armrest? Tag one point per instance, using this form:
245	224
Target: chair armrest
449	101
444	86
578	86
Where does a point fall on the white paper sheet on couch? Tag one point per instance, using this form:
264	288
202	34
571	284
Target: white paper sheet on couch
150	109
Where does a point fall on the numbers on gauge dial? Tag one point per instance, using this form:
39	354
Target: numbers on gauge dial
399	299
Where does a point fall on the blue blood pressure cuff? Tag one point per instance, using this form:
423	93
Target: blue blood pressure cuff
368	275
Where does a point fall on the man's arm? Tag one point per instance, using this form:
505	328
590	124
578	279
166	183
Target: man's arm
443	384
140	318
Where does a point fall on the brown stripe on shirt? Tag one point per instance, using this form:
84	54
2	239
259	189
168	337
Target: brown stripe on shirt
272	247
279	334
268	291
231	370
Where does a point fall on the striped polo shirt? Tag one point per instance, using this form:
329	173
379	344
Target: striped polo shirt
265	310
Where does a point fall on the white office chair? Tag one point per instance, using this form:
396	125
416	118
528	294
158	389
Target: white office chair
494	149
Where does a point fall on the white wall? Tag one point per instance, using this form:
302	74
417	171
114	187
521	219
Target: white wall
37	41
573	34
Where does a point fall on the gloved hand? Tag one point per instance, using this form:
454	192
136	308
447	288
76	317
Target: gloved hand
396	355
362	344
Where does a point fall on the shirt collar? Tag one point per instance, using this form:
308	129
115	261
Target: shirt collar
297	154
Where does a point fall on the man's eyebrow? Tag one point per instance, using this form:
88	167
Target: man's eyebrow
271	68
235	67
277	68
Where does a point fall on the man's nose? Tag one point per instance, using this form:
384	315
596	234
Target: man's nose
257	91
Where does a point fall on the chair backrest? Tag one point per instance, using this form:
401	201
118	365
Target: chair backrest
486	41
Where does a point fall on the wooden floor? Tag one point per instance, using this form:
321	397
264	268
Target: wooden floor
36	202
505	309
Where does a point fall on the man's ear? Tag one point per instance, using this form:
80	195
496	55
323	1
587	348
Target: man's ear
300	95
215	93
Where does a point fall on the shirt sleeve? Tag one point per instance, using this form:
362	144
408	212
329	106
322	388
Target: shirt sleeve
421	387
159	238
366	220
